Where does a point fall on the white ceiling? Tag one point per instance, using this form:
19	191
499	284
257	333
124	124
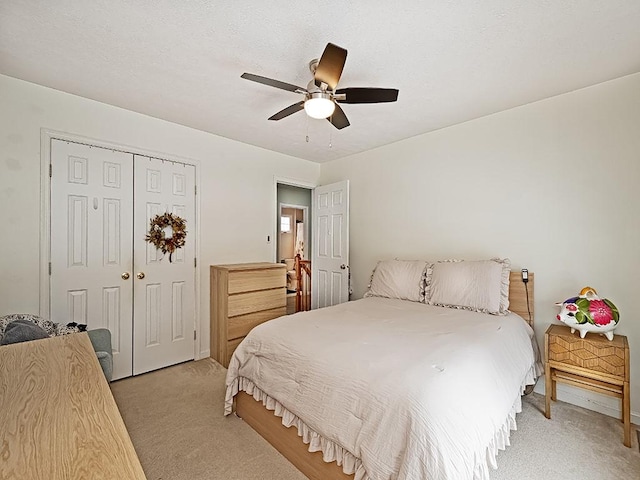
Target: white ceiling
451	60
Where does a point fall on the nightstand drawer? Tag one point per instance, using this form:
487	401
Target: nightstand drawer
593	353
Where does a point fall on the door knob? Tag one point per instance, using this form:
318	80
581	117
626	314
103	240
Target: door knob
343	266
140	275
125	276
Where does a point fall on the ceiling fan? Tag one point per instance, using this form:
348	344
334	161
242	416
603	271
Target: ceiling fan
321	98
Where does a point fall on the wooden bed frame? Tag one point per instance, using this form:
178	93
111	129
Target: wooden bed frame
287	441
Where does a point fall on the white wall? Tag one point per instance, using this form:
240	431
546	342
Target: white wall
237	193
553	185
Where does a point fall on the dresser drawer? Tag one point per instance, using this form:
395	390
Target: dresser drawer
241	325
252	280
231	346
250	302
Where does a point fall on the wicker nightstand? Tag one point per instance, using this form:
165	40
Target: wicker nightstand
593	363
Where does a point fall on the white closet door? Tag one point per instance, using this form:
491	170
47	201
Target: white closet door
91	249
164	302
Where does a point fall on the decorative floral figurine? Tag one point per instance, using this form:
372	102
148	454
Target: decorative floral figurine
589	313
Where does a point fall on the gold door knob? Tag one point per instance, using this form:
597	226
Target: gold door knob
140	275
125	276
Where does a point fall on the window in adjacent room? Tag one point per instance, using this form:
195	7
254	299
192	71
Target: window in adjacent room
285	223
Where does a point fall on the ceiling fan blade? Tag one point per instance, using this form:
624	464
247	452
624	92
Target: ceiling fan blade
330	66
272	83
367	95
338	119
296	107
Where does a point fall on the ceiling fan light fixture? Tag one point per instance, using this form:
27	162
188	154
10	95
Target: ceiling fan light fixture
319	105
322	98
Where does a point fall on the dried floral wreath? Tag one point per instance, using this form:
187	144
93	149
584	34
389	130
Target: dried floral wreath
157	237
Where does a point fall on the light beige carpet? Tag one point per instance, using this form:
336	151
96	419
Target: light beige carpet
175	419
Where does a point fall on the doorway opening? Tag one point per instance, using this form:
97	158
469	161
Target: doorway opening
293	245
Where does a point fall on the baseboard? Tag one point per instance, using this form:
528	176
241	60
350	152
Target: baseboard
590	400
204	354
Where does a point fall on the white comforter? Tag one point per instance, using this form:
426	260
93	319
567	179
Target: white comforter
392	389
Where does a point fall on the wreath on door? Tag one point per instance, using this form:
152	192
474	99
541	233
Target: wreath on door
157	237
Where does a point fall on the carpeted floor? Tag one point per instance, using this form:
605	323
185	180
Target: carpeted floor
175	419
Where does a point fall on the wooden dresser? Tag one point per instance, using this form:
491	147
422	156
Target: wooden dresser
242	296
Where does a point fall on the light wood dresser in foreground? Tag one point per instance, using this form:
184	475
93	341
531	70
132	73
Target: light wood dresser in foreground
58	418
593	363
242	296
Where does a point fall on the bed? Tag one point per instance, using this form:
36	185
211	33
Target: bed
393	388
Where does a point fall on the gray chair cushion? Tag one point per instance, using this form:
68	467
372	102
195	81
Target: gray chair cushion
22	331
101	341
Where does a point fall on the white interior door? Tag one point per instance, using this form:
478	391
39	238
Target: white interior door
330	263
91	248
164	301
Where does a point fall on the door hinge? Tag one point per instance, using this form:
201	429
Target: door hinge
49	268
195	262
194	334
195	189
50	170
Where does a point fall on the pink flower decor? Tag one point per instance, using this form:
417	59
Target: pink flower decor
600	312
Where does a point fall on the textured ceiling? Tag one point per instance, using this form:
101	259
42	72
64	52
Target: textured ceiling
451	60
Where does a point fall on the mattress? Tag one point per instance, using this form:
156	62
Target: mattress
392	389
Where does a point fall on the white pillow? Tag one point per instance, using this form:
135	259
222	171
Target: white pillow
403	279
481	286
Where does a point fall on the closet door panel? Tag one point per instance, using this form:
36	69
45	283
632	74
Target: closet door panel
91	248
164	325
